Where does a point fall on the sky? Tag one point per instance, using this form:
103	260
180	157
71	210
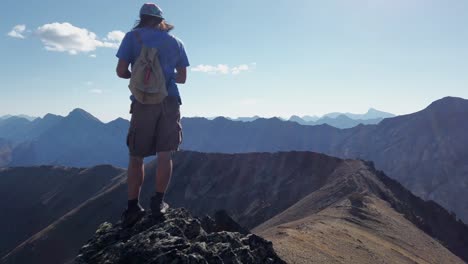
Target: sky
248	57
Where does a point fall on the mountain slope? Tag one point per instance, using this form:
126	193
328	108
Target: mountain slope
262	135
370	232
263	189
13	128
364	217
36	197
5	152
78	139
18	130
426	151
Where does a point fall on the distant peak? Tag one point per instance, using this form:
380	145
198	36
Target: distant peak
82	114
450	99
295	118
268	120
50	116
221	118
342	117
78	111
449	104
119	120
375	111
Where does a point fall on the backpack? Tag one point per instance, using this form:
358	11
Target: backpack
147	83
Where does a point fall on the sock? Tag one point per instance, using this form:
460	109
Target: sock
133	204
158	197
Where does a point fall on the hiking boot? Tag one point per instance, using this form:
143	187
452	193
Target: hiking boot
131	217
158	207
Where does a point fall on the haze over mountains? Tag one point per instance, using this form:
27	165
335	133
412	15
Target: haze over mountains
338	120
344	120
312	206
30	118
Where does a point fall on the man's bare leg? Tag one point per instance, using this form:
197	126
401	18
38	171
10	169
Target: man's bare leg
164	171
163	176
136	175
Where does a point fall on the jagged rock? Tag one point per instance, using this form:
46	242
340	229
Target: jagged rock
176	238
222	222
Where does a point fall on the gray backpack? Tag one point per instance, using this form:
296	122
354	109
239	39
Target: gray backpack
147	83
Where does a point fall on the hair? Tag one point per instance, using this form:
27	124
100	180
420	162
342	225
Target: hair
152	21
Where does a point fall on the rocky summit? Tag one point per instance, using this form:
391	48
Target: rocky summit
178	237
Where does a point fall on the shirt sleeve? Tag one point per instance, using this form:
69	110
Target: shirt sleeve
183	60
125	51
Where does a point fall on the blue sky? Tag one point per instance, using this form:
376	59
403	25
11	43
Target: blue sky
267	58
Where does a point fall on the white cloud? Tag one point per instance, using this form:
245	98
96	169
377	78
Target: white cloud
222	69
240	68
115	37
92	56
64	37
96	91
17	32
89	83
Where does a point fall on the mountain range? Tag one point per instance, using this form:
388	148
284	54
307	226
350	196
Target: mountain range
335	119
314	208
370	114
78	139
426	151
344	120
340	121
30	118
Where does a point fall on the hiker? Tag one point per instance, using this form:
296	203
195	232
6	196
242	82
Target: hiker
155	127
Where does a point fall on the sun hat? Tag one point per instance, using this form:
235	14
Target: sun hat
151	9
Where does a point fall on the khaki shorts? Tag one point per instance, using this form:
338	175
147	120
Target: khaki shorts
154	128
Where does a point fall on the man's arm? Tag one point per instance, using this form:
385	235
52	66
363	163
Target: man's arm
122	69
181	75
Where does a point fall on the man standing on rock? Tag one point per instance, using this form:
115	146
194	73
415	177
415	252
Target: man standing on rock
155	128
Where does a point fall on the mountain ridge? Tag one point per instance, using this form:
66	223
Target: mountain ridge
291	178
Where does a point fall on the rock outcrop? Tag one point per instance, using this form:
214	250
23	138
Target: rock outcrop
176	238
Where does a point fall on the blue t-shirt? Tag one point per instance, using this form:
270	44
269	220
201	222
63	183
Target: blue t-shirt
171	53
